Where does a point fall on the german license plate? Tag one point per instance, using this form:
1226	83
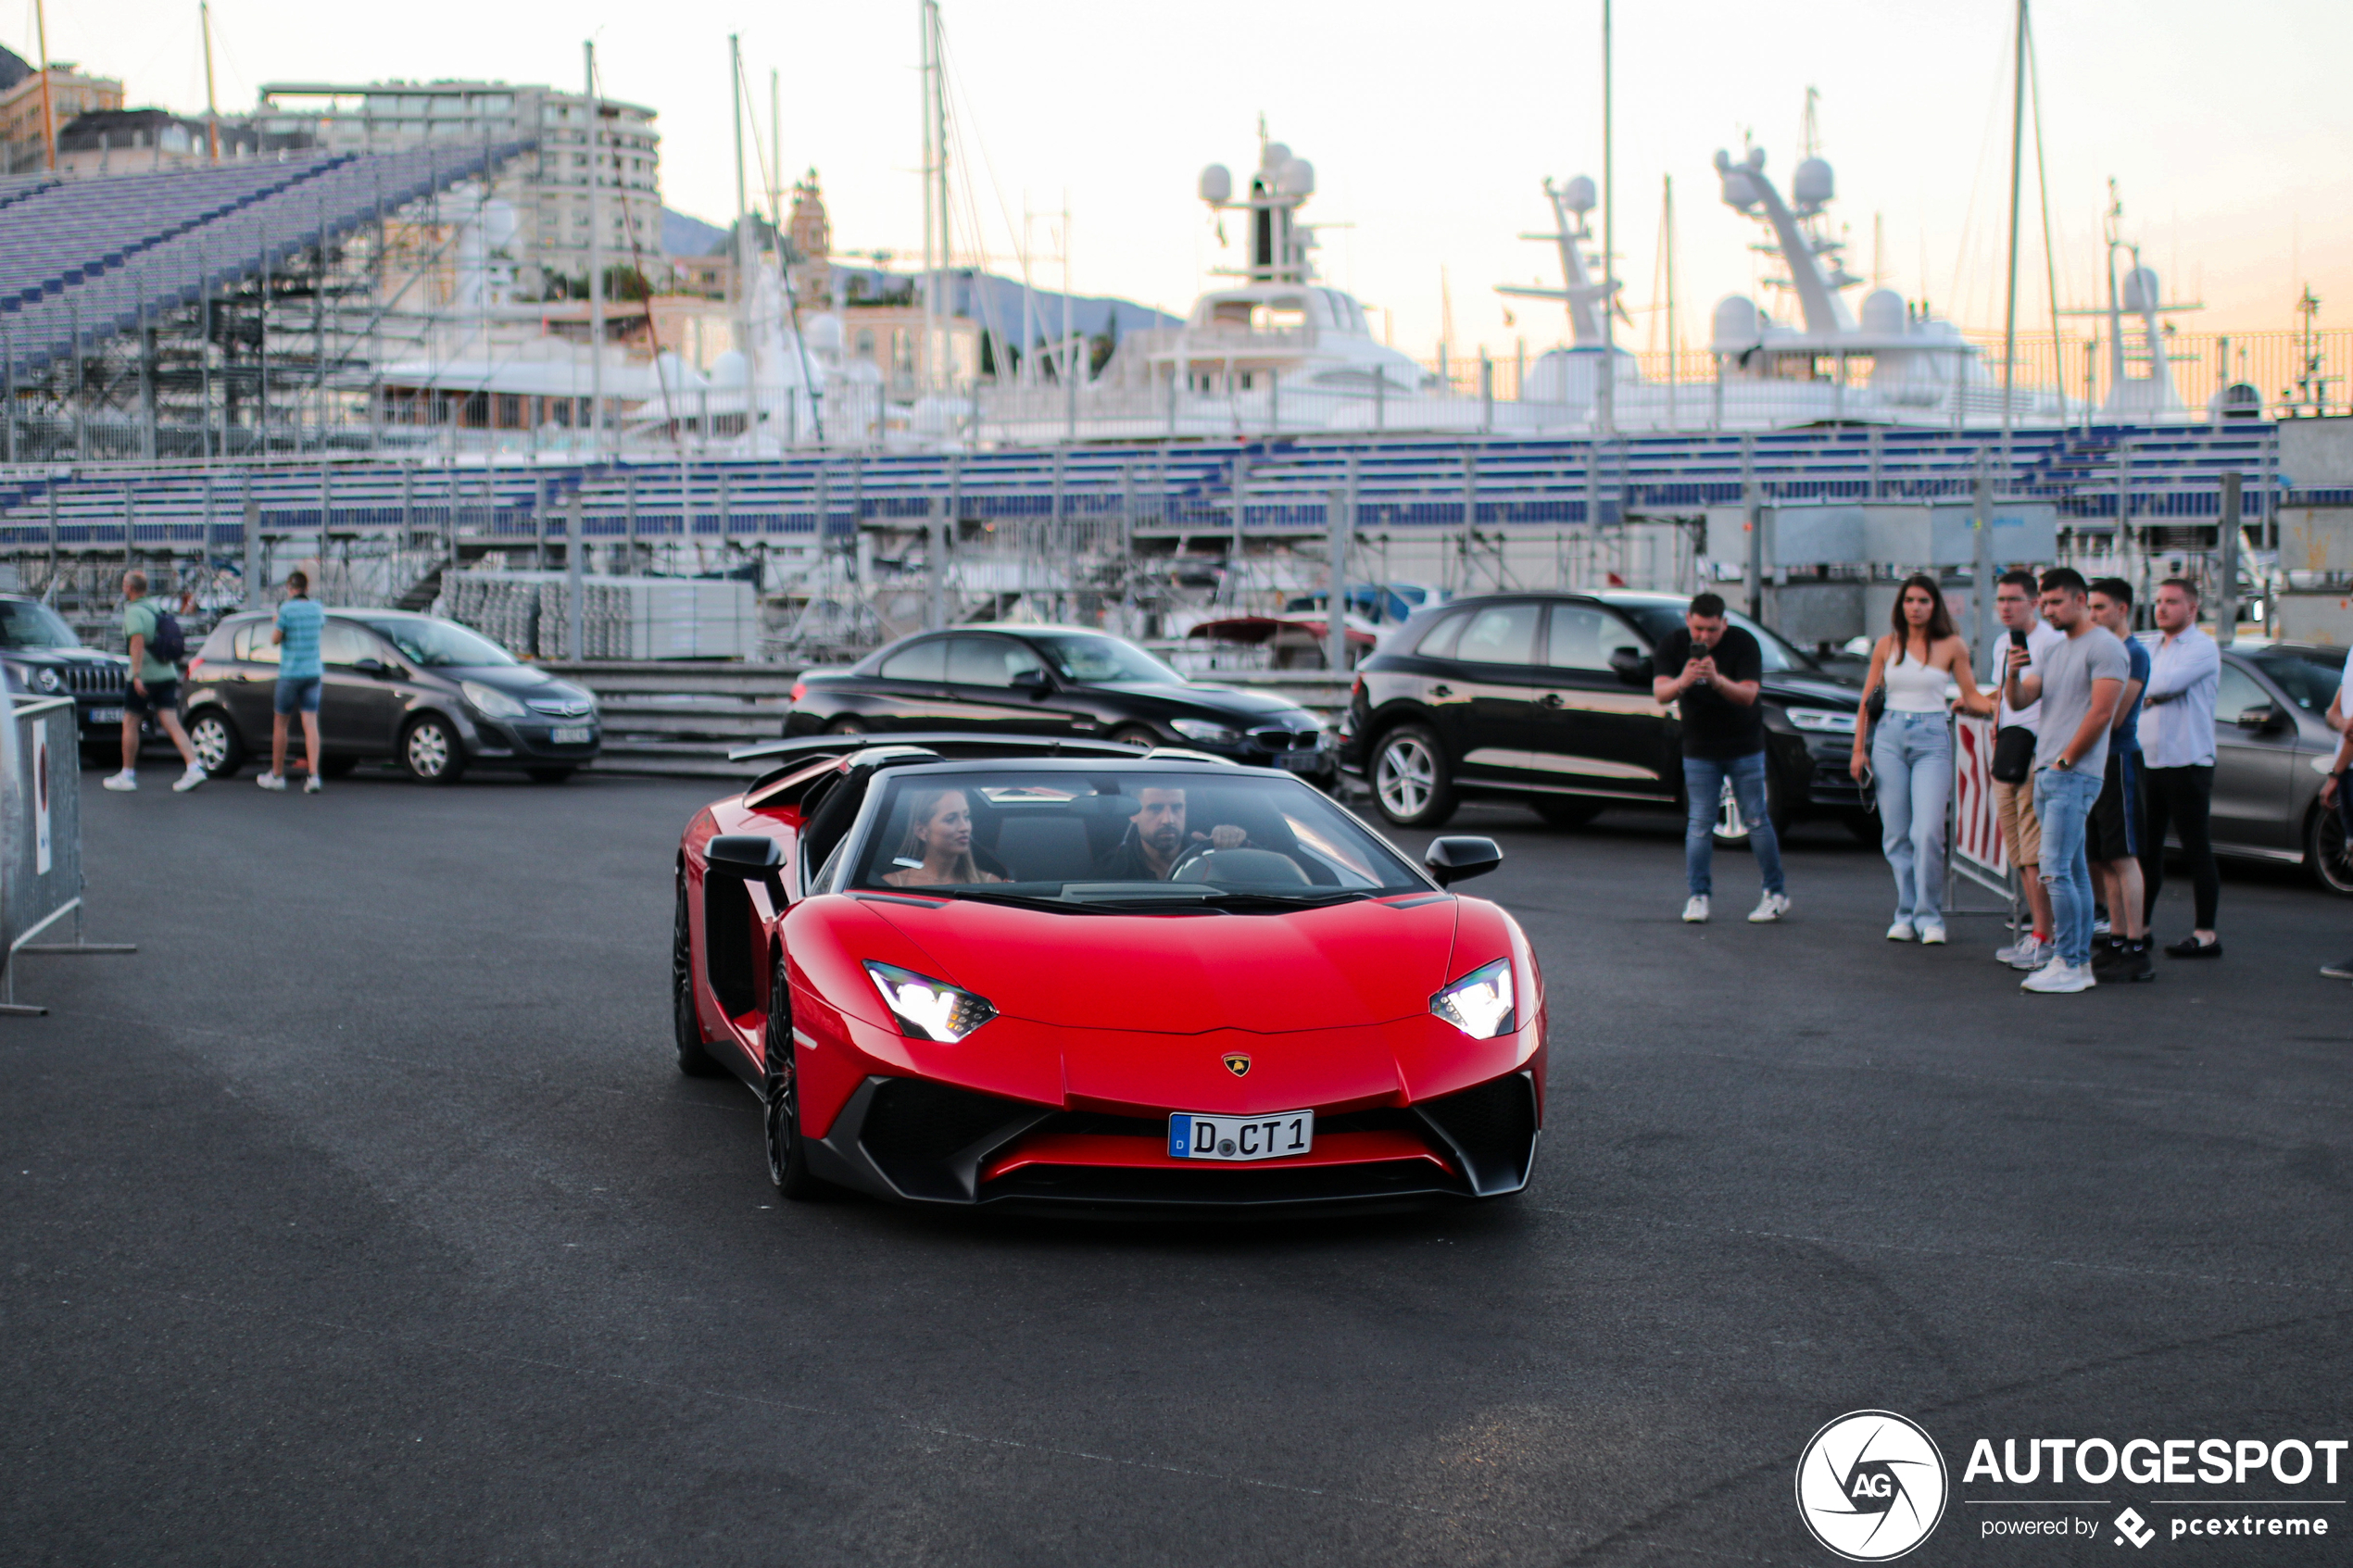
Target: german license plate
1303	761
1241	1137
570	734
106	715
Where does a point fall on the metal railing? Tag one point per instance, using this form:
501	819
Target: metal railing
41	879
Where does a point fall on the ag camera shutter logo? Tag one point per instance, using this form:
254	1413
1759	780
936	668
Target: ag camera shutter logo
1871	1486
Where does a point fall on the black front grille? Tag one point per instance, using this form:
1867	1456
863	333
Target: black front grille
1494	1126
915	1121
1274	738
92	679
1389	1182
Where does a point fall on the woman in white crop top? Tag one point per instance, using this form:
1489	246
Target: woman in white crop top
1920	663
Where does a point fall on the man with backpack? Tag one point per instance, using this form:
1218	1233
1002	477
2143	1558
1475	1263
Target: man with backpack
156	648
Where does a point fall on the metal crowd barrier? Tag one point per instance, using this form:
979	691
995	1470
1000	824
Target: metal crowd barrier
40	881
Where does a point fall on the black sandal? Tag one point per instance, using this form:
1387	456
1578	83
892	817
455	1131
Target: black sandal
2191	947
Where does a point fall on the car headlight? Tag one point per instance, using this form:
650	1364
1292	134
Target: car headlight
490	701
1205	729
1479	1004
1822	720
927	1008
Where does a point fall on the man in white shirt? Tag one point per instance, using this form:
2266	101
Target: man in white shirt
2014	596
2177	749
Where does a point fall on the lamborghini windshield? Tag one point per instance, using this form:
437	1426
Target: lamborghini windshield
1147	836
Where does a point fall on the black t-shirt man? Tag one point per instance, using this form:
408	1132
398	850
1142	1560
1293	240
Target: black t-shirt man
1714	727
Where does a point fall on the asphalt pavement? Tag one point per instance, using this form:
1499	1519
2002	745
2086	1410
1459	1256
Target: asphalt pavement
362	1217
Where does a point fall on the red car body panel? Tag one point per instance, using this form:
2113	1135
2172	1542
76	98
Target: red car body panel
1132	1016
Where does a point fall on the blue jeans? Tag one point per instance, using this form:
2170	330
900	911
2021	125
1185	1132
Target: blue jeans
1704	783
1912	757
2062	804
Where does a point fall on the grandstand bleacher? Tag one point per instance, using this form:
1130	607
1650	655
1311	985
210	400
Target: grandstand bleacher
83	260
2173	473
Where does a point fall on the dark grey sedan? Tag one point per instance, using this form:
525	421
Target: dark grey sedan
2272	749
412	689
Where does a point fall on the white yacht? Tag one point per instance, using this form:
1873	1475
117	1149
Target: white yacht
1280	349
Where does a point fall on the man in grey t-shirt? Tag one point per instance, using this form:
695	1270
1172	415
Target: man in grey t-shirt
2079	683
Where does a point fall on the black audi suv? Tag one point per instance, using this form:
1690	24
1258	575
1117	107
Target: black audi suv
412	689
1545	698
1055	680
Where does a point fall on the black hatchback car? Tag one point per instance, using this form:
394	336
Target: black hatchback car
46	659
414	689
1055	680
1545	698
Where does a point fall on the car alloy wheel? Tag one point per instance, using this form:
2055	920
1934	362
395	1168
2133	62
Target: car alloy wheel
1410	778
431	753
694	1058
218	751
780	1095
2328	852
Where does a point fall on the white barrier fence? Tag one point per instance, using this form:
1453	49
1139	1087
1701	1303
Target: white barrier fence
41	880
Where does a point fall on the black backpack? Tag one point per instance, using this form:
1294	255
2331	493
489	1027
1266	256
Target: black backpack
167	643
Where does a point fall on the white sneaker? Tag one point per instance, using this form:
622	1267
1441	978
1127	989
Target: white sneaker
191	779
270	780
2059	977
1932	933
2031	954
2099	927
1770	908
1900	932
312	786
124	780
1694	910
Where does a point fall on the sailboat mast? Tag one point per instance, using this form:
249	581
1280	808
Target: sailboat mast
211	109
596	272
1673	347
1609	239
48	108
743	223
925	65
2009	307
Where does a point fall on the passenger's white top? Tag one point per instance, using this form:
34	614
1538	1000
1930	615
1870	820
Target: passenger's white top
1914	687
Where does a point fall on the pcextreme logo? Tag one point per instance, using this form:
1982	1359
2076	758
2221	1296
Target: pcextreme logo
1871	1486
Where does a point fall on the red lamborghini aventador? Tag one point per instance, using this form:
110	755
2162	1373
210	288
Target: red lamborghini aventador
1069	975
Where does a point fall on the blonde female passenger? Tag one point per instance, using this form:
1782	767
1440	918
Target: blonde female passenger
1919	662
938	846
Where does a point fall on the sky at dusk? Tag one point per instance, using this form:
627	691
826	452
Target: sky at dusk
1431	127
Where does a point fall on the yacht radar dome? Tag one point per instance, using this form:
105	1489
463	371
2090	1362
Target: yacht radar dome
1579	195
1217	185
1276	155
1740	190
1296	177
2141	293
1812	186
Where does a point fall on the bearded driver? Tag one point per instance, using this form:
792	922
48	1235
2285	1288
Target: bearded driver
1156	839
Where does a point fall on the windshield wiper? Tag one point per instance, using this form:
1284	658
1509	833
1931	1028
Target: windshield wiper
1267	898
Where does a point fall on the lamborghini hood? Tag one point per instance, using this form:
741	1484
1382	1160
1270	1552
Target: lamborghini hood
1346	965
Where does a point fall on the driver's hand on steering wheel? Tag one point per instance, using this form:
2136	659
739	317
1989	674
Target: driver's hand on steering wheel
1227	837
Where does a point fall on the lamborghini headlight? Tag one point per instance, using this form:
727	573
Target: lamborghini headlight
491	702
1479	1004
925	1008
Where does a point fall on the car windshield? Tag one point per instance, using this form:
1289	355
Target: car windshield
1091	660
1660	621
443	643
1111	837
2310	676
27	624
